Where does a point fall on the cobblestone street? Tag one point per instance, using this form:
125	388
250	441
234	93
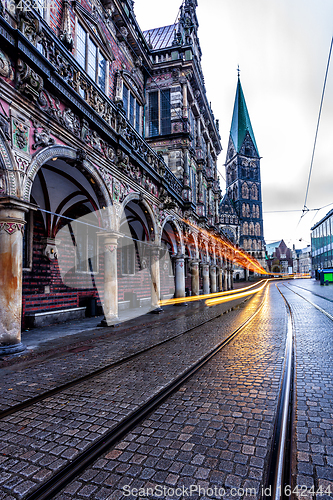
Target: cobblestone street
214	432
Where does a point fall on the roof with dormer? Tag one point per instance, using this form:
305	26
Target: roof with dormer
241	123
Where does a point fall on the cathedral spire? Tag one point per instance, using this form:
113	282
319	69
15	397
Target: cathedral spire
241	123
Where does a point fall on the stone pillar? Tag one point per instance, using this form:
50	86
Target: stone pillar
246	274
205	278
225	287
155	280
195	277
110	280
212	272
11	237
179	276
220	272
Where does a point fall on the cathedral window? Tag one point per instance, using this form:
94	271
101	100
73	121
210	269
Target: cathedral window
254	211
243	210
257	229
251	229
254	192
257	212
90	57
159	113
249	244
245	191
245	228
254	245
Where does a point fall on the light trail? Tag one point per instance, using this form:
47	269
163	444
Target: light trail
220	300
181	300
241	258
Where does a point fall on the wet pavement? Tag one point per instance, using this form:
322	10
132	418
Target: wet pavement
212	435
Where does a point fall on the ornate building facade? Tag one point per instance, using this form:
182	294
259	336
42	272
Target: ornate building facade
241	208
108	149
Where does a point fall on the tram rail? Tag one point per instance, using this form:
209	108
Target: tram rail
71	470
56	390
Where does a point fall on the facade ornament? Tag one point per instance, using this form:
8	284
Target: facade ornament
28	82
50	250
6	69
42	138
65	31
20	135
12	227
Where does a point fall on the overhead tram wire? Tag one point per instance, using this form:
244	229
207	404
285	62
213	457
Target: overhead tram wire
305	208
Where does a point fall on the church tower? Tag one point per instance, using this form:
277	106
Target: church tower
243	179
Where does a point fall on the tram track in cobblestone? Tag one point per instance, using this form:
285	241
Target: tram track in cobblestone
280	461
31	401
312	303
288	485
280	472
313	293
100	446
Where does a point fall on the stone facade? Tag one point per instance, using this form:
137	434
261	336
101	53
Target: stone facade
109	192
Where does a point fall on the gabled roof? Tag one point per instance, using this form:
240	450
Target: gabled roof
241	123
160	38
227	206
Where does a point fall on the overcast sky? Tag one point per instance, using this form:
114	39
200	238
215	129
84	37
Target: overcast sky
281	47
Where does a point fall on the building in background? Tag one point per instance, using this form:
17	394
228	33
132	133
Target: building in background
109	193
279	258
241	208
302	262
322	244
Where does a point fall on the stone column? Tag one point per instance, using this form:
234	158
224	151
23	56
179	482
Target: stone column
212	272
205	278
179	276
246	274
11	237
195	277
110	280
225	287
220	279
155	280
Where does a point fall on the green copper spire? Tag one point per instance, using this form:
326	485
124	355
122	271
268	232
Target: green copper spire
241	121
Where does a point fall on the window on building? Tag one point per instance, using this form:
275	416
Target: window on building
159	113
90	57
86	246
128	254
132	108
194	186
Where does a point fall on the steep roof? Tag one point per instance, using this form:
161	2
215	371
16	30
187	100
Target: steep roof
160	38
241	123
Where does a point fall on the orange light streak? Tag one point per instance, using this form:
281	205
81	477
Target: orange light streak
241	258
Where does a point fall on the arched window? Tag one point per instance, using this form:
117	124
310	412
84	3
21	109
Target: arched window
254	211
245	191
249	244
247	210
243	210
251	229
245	228
254	245
257	229
245	244
257	210
254	192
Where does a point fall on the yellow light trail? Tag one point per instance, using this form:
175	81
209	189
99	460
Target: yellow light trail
220	300
181	300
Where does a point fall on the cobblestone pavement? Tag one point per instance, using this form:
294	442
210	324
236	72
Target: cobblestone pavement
312	290
214	432
40	440
24	381
314	391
